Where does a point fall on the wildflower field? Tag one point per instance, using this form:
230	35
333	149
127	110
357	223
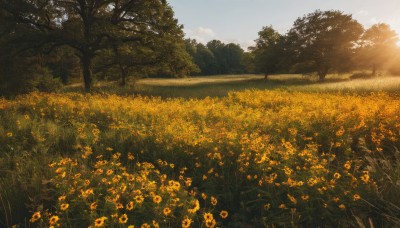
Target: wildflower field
251	159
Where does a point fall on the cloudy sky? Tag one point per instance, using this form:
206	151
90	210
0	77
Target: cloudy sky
239	21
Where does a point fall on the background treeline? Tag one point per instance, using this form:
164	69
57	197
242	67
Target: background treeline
217	57
326	42
45	44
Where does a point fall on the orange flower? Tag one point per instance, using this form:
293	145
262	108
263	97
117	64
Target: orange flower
186	223
167	211
64	206
36	216
223	214
123	219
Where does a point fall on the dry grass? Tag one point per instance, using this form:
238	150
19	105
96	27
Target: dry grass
220	86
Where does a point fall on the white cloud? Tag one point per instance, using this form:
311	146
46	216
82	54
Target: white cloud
201	34
245	44
362	13
200	31
204	35
373	20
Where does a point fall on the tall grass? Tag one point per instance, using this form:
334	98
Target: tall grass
220	86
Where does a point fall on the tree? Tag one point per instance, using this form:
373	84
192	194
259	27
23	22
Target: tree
91	26
206	60
268	52
323	41
378	46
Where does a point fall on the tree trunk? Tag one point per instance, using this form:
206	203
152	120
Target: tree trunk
374	70
87	71
124	74
322	74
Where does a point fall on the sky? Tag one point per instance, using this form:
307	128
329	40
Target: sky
239	21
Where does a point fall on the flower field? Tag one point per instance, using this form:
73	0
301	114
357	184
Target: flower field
250	159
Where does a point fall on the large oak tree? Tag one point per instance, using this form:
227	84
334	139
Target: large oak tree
91	26
324	41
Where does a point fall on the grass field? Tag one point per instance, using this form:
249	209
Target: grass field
289	151
219	86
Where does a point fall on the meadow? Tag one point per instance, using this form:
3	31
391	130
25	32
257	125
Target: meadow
204	152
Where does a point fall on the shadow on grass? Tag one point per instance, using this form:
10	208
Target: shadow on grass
221	88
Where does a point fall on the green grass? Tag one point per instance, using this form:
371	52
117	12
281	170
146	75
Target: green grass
220	86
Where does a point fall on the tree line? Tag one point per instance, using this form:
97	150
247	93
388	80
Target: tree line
325	42
44	43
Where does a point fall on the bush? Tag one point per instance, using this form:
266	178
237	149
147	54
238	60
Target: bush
30	79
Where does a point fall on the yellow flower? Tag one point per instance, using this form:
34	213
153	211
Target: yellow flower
214	201
139	199
93	206
211	223
195	207
54	219
347	165
131	226
100	221
145	225
292	199
119	206
64	206
356	197
9	134
186	223
36	216
123	219
204	196
305	197
61	198
342	206
365	177
336	175
167	211
223	214
157	199
130	206
208	216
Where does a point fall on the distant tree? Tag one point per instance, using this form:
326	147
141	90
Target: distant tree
248	62
90	26
323	41
229	57
206	60
379	46
269	51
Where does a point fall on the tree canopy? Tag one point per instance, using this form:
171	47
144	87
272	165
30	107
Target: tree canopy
323	41
92	26
378	46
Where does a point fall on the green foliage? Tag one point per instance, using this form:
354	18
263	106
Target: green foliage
124	28
323	41
269	54
378	48
28	79
216	57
